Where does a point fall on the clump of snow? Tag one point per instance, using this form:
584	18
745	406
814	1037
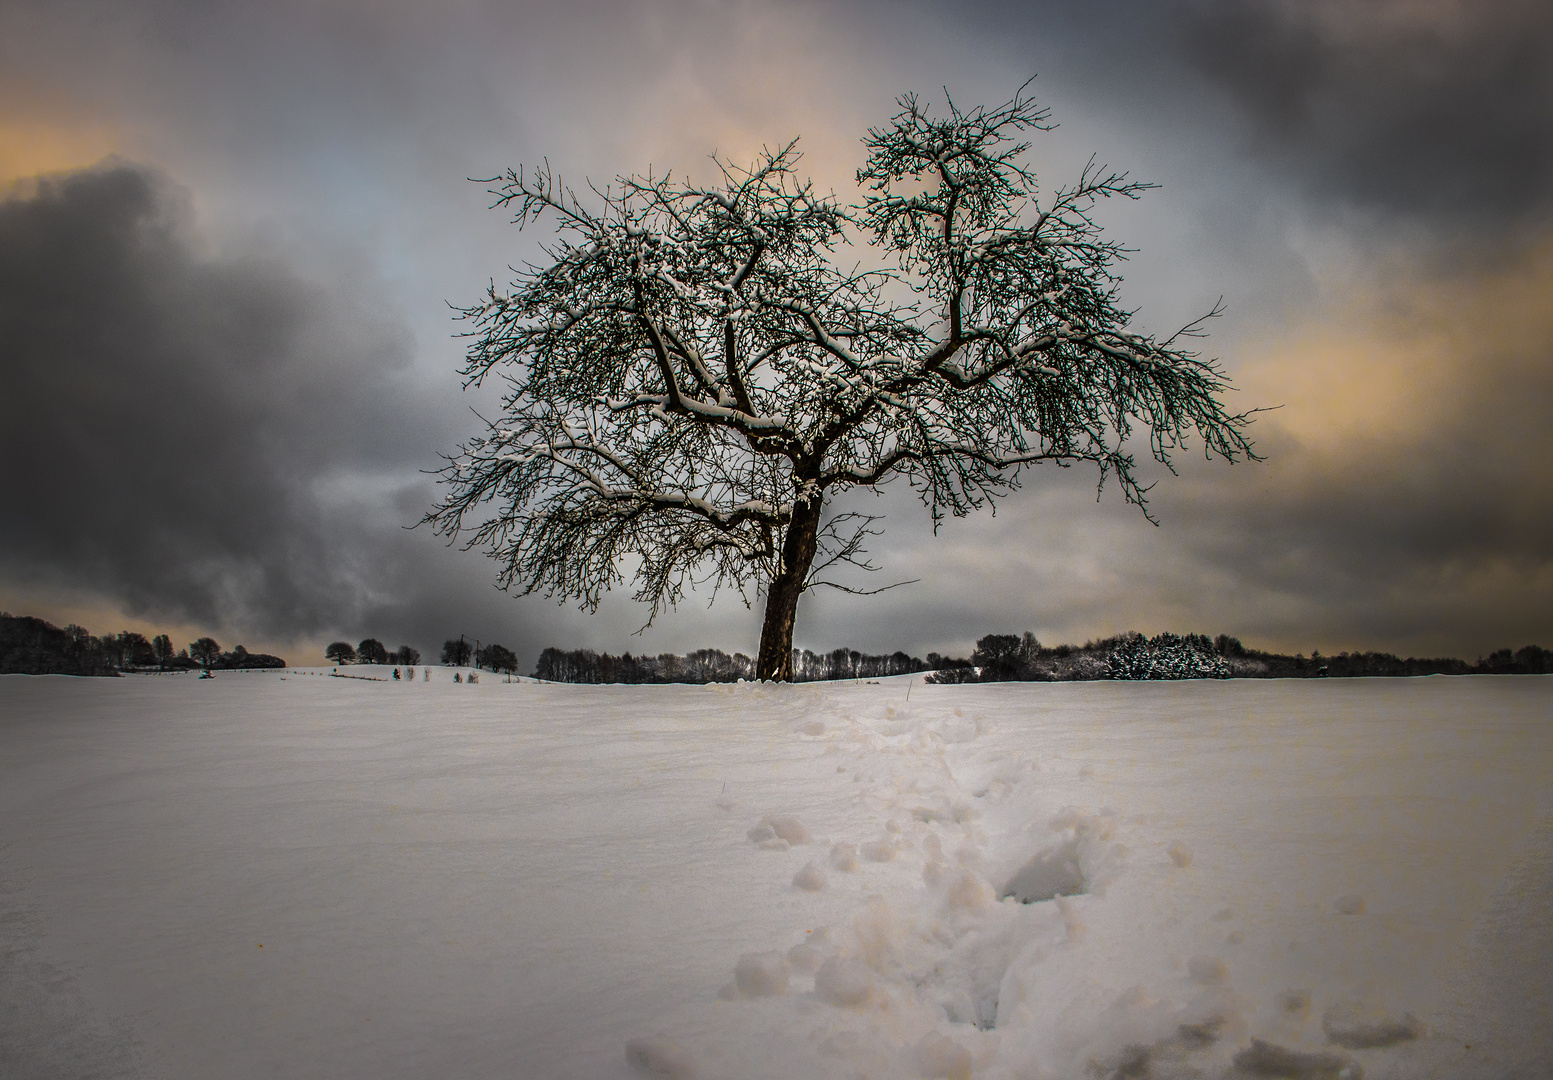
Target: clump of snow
1176	1052
807	956
878	850
778	832
844	982
844	857
1358	1025
810	879
969	892
1271	1060
660	1058
762	974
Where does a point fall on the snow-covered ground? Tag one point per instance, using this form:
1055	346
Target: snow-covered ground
288	875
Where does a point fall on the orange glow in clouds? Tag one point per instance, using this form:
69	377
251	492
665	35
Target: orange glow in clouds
29	148
1402	353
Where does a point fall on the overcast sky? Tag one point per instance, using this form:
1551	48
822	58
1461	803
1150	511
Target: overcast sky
230	233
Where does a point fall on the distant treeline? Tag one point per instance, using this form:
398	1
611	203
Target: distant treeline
30	646
1015	658
713	666
1011	658
460	653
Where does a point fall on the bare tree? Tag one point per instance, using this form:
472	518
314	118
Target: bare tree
498	658
372	651
206	652
456	653
694	373
137	650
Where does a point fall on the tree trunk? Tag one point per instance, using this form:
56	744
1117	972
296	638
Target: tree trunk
776	636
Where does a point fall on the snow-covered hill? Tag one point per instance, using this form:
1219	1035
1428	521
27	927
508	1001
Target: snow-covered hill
289	875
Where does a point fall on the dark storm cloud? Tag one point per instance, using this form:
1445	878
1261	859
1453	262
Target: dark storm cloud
1442	111
187	434
1438	110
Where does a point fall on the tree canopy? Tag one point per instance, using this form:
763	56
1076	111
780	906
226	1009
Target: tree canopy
693	373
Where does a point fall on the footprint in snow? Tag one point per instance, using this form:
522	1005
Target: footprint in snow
778	832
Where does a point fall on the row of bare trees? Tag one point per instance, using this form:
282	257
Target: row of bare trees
492	657
33	646
371	651
714	665
455	653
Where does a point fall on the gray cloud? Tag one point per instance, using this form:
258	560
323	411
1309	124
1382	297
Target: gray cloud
1443	111
189	433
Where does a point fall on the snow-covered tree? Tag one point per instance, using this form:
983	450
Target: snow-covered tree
694	373
1166	656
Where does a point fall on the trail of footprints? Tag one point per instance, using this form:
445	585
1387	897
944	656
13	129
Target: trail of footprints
952	954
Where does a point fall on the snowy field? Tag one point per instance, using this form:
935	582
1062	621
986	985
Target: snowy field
289	875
